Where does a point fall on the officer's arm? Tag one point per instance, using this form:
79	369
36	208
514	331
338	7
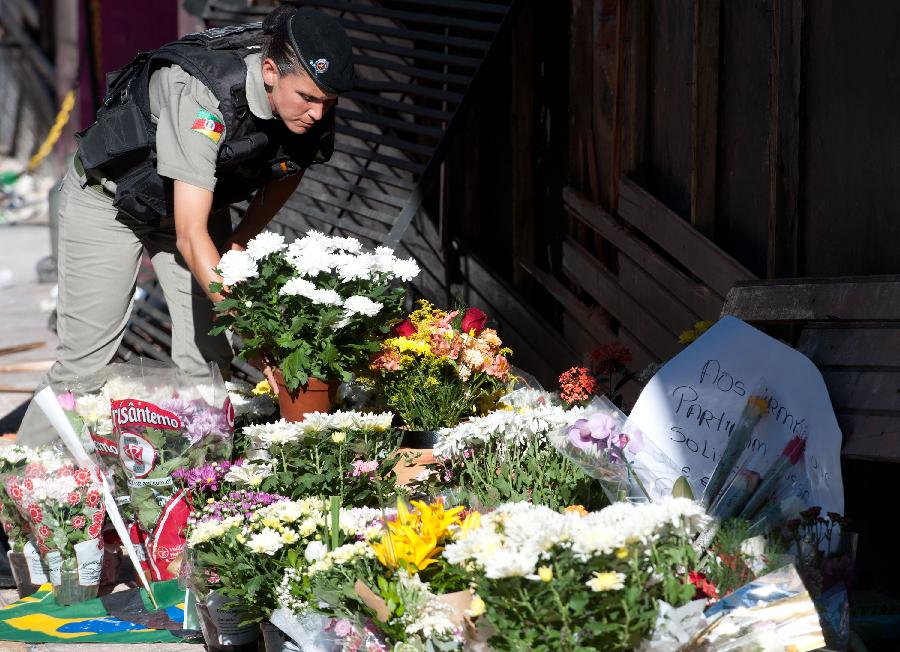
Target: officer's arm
262	209
192	208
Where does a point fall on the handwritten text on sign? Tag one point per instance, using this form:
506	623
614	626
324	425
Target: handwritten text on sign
693	403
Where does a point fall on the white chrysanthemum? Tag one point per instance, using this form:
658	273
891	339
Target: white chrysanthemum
611	581
236	266
248	475
347	244
265	542
357	305
346	420
354	267
311	255
92	407
279	432
264	244
13	454
406	269
315	550
304	288
521	427
209	530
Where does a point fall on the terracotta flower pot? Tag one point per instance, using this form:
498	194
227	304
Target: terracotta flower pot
416	451
315	396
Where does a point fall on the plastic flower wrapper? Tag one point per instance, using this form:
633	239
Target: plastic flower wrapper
63	505
611	449
164	420
773	613
12	460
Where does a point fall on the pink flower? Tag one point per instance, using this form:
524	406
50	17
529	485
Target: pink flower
66	401
73	498
342	628
78	522
82	477
387	361
360	467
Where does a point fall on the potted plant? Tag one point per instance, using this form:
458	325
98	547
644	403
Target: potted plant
309	309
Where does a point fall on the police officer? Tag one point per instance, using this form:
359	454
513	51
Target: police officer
214	118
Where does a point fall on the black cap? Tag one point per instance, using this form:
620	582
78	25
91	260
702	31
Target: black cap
323	49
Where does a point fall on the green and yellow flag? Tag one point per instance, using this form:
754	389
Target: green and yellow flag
122	617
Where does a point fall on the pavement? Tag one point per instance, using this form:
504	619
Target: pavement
25	306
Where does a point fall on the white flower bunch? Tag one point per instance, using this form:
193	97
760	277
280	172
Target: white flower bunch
280	432
204	531
424	614
94	409
50	459
320	421
13	454
317	254
519	427
341	555
512	540
249	474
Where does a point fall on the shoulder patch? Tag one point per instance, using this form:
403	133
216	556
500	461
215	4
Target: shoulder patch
209	125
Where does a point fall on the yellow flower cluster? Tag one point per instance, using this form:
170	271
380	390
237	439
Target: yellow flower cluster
692	334
414	539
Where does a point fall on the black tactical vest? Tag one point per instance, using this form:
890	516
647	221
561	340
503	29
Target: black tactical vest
121	144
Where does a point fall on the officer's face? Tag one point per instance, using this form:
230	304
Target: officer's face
295	98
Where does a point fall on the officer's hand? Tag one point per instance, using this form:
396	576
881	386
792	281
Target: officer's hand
263	365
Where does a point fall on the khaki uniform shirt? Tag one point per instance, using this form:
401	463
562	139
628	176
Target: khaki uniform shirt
183	108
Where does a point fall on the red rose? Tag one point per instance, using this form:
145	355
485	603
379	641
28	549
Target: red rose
405	328
94	531
474	320
82	477
73	498
78	522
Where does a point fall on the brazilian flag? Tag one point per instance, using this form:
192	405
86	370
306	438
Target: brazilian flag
121	617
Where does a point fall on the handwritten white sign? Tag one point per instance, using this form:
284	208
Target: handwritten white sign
691	405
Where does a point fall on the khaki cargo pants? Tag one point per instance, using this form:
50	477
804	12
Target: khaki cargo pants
99	256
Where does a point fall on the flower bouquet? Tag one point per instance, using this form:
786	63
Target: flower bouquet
64	508
310	308
506	455
17	529
12	459
242	544
164	420
551	581
392	588
440	367
350	455
606	446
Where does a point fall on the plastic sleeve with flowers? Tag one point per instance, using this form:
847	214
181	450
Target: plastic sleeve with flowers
12	461
164	420
774	611
63	506
751	419
604	444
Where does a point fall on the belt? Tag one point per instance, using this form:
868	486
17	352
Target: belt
92	182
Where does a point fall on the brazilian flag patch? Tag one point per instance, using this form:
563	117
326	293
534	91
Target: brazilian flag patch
209	125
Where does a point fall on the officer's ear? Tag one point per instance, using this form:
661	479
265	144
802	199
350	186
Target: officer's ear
269	72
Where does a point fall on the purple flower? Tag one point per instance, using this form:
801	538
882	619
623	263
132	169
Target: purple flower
594	431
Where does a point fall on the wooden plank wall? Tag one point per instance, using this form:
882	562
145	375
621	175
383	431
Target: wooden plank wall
711	142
